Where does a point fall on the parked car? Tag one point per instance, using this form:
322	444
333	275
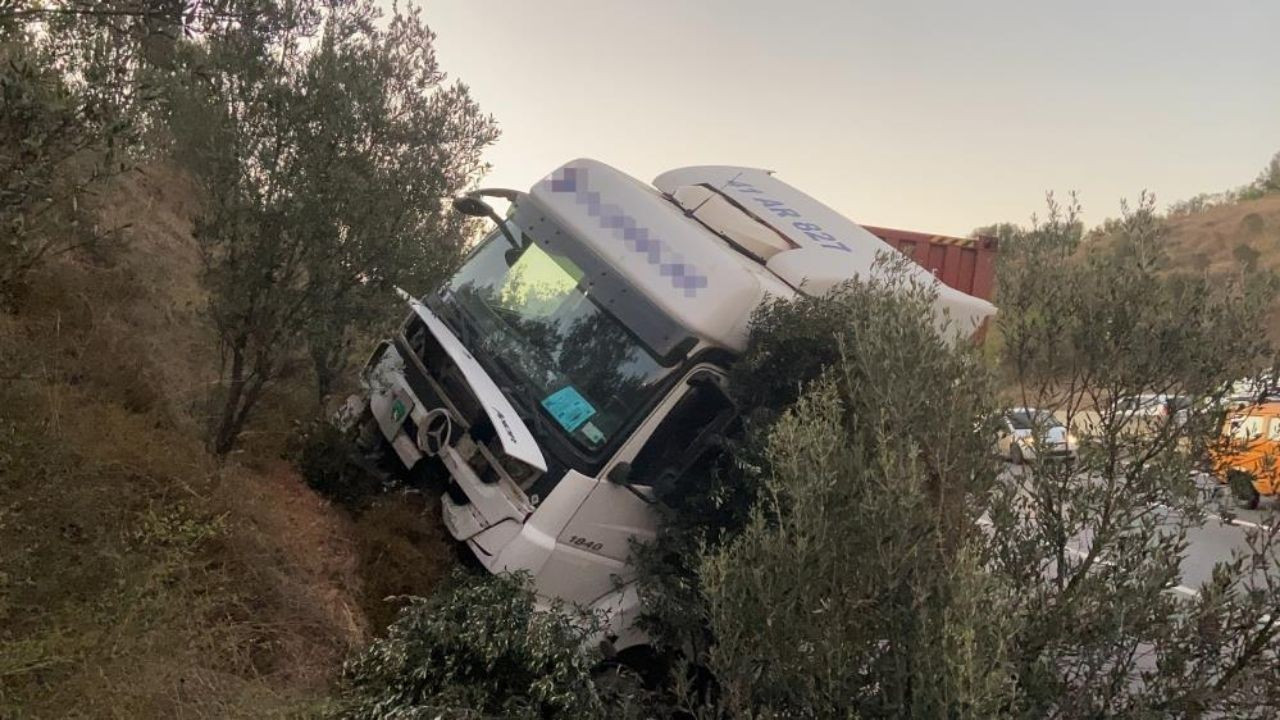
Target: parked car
1031	434
1248	392
1248	456
1147	413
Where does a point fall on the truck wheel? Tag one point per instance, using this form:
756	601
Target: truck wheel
1241	484
615	680
637	666
1254	498
367	435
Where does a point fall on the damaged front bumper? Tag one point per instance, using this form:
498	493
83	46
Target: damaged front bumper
405	401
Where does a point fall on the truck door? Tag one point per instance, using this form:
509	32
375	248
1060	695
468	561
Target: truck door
679	439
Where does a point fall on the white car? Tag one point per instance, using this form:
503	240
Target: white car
1251	391
1147	414
1028	434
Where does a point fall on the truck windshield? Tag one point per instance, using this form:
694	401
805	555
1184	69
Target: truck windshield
529	313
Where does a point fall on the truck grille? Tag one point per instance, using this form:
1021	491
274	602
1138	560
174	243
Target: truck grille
441	372
419	342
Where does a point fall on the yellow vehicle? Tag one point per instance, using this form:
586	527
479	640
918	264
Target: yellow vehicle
1248	456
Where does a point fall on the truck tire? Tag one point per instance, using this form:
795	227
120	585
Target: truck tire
1253	500
636	666
1241	484
367	436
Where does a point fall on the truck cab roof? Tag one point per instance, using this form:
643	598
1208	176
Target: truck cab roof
708	244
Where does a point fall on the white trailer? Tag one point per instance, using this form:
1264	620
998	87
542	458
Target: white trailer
574	365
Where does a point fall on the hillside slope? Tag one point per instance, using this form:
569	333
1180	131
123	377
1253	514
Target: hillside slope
138	577
1211	238
1222	238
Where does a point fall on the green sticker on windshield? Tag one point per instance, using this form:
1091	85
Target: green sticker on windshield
568	407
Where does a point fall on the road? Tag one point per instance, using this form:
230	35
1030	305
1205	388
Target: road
1217	537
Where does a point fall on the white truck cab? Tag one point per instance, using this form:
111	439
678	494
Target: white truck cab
572	369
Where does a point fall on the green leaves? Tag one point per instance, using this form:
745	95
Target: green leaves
477	649
327	167
53	153
874	561
1085	327
854	587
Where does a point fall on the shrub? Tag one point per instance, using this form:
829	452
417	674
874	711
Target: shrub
326	458
854	588
883	567
54	151
1253	224
1247	256
477	649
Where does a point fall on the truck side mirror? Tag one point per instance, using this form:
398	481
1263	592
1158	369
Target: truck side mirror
620	474
472	206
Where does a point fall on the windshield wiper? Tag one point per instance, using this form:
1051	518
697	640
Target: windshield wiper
522	392
458	322
527	405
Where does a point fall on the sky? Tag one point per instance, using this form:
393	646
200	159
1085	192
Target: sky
931	116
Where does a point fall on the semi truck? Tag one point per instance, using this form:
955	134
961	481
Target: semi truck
575	364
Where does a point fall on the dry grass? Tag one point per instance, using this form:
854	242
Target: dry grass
140	581
403	551
138	578
1209	239
1217	238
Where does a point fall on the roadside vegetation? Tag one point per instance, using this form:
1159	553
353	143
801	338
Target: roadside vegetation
861	553
170	212
327	147
871	559
203	209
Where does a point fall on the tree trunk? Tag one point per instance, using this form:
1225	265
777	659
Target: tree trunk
224	438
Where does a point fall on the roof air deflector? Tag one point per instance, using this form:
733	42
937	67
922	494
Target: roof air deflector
730	221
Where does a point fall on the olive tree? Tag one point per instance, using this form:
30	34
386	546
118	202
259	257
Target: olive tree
867	557
328	154
481	647
81	84
60	139
857	586
1087	329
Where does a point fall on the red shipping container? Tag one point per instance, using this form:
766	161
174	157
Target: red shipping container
966	264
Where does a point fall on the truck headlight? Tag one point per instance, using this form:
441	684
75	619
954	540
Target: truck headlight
520	473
